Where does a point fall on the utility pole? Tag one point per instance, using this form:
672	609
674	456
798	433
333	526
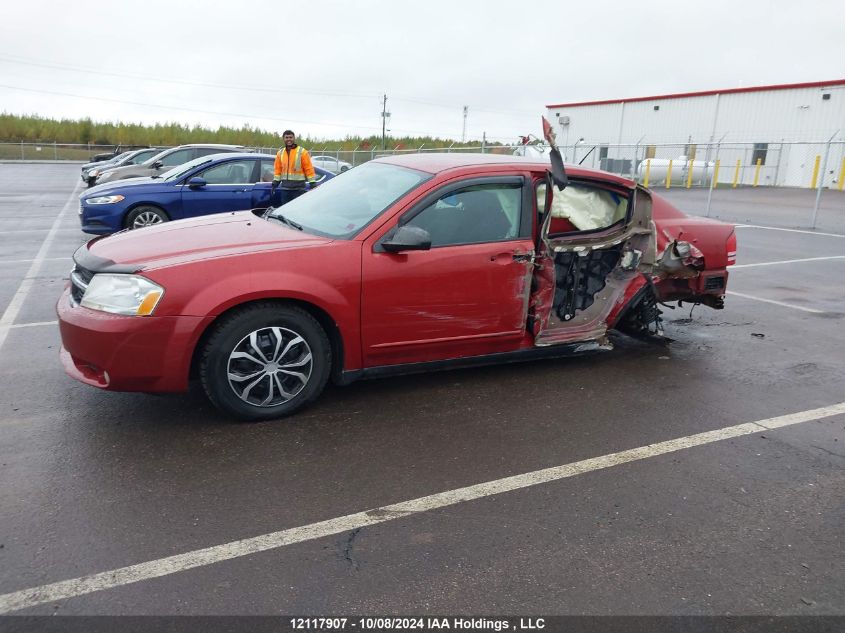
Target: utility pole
384	115
464	133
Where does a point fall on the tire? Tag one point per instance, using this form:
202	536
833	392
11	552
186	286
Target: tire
343	169
145	215
265	361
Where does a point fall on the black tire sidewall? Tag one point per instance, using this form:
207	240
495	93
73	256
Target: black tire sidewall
231	330
134	213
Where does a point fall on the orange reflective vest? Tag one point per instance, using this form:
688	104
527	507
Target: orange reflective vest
293	168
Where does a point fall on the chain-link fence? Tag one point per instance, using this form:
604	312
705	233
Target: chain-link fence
668	165
714	169
53	151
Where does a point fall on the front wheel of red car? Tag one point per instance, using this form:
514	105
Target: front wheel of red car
265	361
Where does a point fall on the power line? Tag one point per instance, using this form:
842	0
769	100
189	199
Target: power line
14	59
453	106
184	109
226	114
185	82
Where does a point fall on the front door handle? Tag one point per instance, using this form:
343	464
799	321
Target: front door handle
522	257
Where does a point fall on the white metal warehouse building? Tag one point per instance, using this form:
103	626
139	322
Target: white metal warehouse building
787	128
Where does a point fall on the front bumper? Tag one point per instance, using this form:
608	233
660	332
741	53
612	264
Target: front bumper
101	219
123	353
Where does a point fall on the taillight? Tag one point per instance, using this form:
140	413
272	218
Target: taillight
731	246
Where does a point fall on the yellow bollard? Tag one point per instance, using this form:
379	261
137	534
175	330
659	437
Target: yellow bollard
716	174
757	171
647	172
841	175
736	174
689	176
816	172
669	175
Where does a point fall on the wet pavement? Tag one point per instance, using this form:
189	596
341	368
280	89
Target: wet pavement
94	481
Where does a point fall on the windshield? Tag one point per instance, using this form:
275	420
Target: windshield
181	170
345	204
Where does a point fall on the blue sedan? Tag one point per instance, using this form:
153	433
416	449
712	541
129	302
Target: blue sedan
211	184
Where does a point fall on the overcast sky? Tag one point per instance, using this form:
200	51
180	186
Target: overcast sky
321	67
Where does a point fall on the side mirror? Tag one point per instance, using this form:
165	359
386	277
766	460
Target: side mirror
197	183
158	164
407	238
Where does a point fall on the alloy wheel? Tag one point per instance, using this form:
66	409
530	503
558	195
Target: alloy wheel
269	366
146	218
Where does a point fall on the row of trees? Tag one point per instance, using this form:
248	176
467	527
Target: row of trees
36	129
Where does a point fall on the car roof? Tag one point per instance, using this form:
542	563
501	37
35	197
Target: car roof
211	145
242	155
236	155
437	162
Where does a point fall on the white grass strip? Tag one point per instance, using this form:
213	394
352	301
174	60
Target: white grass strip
777	303
14	307
65	589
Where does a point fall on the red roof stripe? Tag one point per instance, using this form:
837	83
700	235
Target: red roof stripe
706	93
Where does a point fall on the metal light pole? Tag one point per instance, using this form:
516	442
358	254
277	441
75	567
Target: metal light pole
713	177
821	180
464	132
384	115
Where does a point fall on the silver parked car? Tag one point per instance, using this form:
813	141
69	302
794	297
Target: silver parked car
90	171
330	163
165	161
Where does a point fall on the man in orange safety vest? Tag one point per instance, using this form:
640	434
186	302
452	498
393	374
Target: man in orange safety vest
292	170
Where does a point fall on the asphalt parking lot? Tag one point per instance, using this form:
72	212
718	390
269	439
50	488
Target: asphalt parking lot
740	521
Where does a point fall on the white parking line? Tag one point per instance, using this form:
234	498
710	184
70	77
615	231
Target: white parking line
27	261
36	324
14	231
65	589
777	228
788	261
777	303
14	307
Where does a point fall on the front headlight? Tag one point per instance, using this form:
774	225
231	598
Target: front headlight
122	294
104	199
93	173
106	173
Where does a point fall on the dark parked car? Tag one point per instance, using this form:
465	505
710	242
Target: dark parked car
402	264
90	171
211	184
118	149
165	160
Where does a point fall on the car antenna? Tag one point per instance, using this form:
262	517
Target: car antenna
587	154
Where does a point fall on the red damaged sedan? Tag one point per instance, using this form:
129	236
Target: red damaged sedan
403	264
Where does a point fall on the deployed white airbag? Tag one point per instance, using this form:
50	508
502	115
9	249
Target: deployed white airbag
587	208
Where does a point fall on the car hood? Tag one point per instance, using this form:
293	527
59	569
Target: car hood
103	164
128	185
185	241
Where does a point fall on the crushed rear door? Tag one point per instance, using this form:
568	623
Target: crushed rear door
595	249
